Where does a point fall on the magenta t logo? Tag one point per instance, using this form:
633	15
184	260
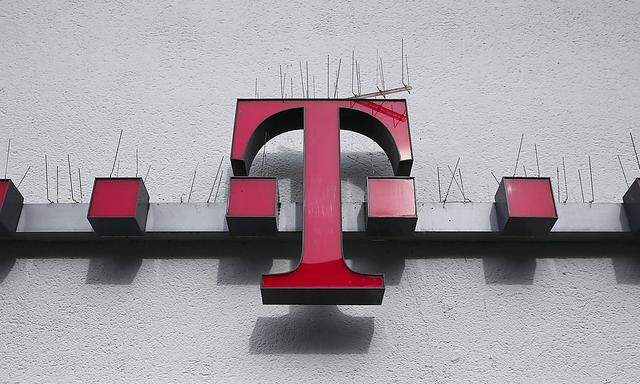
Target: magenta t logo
322	277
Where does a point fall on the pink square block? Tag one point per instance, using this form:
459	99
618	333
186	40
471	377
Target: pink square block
391	205
119	206
391	197
531	197
525	205
253	205
114	197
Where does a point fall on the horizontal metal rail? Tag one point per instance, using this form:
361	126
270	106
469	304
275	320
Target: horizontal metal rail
452	221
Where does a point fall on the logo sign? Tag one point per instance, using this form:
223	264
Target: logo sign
322	277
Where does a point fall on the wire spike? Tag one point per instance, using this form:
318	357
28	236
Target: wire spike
495	178
558	182
214	180
623	173
377	70
383	93
116	155
218	189
46	177
580	181
535	148
515	169
408	86
335	88
23	176
402	61
566	188
456	181
451	181
301	80
57	185
193	181
382	76
281	86
591	181
634	150
353	64
327	76
439	189
284	86
80	185
146	175
70	179
358	74
464	197
6	163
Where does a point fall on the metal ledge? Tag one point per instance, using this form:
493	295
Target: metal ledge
454	221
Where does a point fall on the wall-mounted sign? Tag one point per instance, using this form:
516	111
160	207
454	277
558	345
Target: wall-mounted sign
523	208
322	277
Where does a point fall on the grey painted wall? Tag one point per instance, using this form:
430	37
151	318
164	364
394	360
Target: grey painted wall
564	73
191	312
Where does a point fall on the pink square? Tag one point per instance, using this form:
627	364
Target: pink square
252	197
391	197
114	197
530	197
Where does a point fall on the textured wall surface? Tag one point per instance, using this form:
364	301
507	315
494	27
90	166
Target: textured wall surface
72	74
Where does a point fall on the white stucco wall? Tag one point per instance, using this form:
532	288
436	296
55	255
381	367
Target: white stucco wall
72	74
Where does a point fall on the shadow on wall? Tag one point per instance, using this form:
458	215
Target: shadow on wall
505	270
254	262
355	166
243	262
312	329
114	270
320	329
627	269
6	264
367	258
